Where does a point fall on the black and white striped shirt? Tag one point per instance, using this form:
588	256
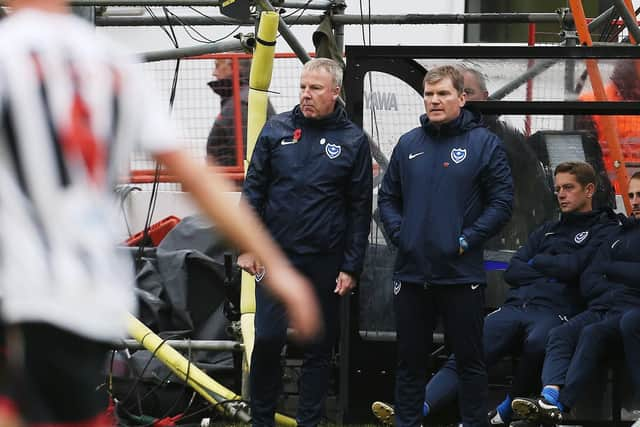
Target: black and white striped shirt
72	108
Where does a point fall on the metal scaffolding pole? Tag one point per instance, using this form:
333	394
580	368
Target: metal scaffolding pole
338	29
570	38
286	33
245	43
207	345
338	19
293	4
629	19
544	65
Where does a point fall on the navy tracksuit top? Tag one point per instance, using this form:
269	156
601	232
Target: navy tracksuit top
546	270
444	182
310	180
613	277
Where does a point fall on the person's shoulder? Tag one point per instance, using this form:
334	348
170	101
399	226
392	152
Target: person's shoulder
278	124
409	138
413	134
284	118
608	218
484	134
547	227
353	133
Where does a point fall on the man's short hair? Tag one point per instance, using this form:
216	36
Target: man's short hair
436	74
584	172
635	176
625	76
479	76
328	65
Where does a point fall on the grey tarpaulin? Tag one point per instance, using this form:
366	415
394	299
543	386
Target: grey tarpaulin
182	289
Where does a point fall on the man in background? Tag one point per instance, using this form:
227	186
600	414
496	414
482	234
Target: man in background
223	140
528	175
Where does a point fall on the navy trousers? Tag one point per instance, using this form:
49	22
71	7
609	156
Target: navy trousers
594	343
630	329
271	328
509	330
417	307
563	344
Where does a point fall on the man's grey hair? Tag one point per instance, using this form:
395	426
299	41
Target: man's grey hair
479	76
328	65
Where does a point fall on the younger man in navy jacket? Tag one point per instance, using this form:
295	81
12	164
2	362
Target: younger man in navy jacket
447	189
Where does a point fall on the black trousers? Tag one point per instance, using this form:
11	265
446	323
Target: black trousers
271	329
596	342
417	308
565	344
52	376
520	330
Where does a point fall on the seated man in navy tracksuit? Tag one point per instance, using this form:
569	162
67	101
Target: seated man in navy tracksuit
543	277
611	286
447	189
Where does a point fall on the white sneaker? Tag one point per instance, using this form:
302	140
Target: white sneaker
384	413
630	414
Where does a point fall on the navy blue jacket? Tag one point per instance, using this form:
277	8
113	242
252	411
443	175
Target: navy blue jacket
613	278
546	270
314	194
442	183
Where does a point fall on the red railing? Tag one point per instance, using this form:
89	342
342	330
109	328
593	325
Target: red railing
235	172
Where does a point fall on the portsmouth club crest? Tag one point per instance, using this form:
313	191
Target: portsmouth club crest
397	285
458	154
580	237
332	150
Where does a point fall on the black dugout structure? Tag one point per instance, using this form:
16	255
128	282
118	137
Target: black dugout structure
367	346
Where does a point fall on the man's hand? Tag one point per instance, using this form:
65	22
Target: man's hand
249	263
463	245
344	283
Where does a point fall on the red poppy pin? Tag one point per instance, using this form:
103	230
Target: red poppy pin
297	134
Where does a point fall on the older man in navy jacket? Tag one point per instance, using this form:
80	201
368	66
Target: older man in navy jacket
310	180
447	189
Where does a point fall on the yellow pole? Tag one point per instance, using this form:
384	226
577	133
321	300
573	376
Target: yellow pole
259	81
208	388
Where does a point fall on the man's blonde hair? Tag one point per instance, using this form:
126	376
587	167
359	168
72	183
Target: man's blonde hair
436	74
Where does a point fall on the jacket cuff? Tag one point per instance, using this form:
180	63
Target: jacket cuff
471	237
352	270
541	260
